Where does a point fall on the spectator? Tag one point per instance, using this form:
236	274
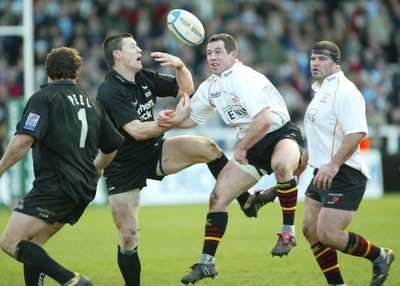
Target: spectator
355	25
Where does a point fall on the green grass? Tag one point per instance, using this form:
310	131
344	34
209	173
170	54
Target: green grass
171	241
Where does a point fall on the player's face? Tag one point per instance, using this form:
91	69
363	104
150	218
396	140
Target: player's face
321	67
218	58
131	54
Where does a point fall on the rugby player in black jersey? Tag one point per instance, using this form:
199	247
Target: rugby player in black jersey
72	140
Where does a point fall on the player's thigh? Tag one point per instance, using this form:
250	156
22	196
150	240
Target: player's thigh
285	158
332	220
232	182
185	150
26	227
125	209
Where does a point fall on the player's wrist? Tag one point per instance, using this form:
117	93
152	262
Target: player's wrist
181	66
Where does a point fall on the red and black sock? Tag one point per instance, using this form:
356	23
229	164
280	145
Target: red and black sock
328	262
214	231
287	194
359	246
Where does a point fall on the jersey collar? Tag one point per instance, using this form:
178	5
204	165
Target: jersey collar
59	82
119	77
316	86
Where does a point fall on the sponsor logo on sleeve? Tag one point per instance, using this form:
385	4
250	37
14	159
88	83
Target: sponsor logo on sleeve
31	121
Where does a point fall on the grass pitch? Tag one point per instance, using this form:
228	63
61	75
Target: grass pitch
171	241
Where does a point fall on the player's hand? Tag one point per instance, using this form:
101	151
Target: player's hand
183	109
164	117
170	118
240	156
301	167
323	179
100	172
167	60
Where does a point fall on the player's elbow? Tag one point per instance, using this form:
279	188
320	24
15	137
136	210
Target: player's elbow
139	136
187	89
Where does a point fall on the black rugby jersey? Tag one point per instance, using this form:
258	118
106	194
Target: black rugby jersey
69	128
125	101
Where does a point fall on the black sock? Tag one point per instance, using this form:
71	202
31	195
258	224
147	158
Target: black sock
129	265
35	256
33	276
217	165
215	168
242	199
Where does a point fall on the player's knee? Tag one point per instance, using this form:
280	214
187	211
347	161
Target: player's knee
129	237
6	246
281	168
3	245
308	232
215	201
212	150
326	238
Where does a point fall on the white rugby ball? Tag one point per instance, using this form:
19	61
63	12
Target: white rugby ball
186	27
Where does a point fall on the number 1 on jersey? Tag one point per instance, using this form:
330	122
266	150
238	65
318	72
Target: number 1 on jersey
84	127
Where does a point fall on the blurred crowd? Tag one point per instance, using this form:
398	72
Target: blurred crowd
274	37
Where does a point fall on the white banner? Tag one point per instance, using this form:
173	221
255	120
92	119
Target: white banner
194	185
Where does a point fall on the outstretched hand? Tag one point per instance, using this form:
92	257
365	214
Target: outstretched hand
167	60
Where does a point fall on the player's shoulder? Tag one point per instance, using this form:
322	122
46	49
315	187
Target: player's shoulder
347	86
208	81
242	71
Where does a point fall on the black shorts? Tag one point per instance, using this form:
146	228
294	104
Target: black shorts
134	175
347	190
50	205
260	154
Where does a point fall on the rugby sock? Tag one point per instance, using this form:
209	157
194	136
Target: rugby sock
328	262
33	276
215	168
287	194
358	246
218	164
129	265
214	231
35	256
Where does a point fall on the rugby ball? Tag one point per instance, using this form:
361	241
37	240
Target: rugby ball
186	27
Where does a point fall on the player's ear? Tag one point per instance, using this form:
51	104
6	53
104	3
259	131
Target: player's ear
116	54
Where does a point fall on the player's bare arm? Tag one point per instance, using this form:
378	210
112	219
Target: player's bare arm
258	128
16	149
144	130
183	75
102	160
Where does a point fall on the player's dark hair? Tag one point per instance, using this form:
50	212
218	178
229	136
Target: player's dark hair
112	43
63	63
229	41
328	49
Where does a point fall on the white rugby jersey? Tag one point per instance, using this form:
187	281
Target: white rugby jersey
337	109
238	94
